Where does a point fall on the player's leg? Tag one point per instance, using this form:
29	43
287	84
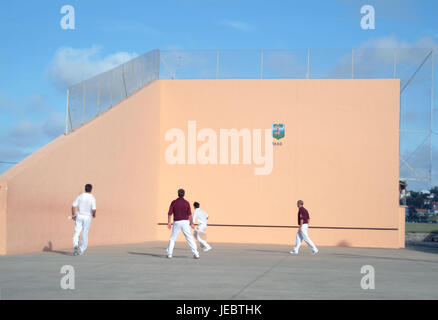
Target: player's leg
298	240
306	238
201	229
84	239
175	232
77	232
189	237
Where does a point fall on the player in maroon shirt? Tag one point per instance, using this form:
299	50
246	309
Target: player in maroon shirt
182	220
303	223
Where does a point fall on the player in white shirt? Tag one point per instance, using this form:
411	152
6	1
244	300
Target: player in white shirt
83	208
201	217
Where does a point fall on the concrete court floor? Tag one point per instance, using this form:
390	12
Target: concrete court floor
228	272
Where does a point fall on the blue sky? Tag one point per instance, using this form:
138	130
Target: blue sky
34	64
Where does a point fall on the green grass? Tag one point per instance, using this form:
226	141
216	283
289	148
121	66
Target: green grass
421	227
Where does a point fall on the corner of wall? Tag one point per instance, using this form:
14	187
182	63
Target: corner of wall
3	206
401	226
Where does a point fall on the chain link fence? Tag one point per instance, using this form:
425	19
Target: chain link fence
91	97
413	66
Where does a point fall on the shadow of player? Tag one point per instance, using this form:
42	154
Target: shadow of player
163	256
49	248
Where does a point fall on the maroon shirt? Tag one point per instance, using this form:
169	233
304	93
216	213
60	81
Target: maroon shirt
303	215
180	208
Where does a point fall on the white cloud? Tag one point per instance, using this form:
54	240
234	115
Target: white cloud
54	125
24	134
35	103
11	154
237	25
28	134
284	63
70	66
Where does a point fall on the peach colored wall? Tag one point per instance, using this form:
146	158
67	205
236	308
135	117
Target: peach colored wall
339	155
115	152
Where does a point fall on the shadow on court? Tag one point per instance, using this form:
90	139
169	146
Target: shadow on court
269	251
234	271
162	256
49	248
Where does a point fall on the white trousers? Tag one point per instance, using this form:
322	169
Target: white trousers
201	228
82	224
303	235
183	225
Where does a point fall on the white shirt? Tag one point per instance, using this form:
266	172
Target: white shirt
85	203
200	215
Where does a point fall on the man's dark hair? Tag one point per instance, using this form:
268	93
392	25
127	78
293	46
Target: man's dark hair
300	202
181	193
88	187
196	205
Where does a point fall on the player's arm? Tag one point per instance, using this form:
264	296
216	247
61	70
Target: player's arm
74	208
301	220
74	211
194	218
93	208
190	217
169	216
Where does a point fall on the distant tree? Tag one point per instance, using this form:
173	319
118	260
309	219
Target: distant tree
413	215
434	192
415	201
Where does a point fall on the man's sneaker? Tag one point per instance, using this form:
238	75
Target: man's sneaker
293	252
196	256
207	249
75	251
314	252
81	252
169	256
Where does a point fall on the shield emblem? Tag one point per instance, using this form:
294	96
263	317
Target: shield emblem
278	130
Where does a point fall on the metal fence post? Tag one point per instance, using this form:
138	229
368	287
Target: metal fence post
123	79
352	63
143	81
67	113
308	63
111	88
261	66
83	102
133	72
157	63
98	96
431	114
217	64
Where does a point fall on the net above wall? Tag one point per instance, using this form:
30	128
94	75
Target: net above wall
413	66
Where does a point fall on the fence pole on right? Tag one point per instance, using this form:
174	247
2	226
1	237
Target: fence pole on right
308	64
